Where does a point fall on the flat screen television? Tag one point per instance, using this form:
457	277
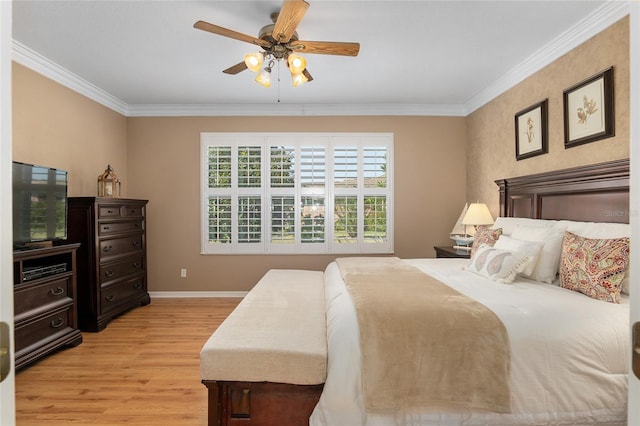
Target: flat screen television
39	204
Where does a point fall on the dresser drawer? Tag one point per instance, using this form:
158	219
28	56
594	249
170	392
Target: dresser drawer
44	327
109	211
116	294
30	299
119	227
117	270
112	211
120	246
132	211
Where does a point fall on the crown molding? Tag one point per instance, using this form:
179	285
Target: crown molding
31	59
235	110
596	22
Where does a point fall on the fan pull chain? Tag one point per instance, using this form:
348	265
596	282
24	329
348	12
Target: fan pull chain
279	81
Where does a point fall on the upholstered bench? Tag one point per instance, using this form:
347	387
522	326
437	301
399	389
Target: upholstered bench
268	360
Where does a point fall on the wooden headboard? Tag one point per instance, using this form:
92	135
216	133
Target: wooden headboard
593	193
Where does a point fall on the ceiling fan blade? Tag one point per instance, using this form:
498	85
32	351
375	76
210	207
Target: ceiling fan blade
289	17
215	29
307	74
325	47
235	69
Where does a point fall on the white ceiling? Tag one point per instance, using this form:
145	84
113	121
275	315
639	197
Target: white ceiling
144	57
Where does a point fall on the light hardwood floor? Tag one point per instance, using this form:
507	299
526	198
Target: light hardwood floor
143	369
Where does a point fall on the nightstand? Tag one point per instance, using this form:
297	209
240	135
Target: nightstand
449	251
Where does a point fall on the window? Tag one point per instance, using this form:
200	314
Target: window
297	193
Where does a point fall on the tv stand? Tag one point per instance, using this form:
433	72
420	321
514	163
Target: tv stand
44	285
32	246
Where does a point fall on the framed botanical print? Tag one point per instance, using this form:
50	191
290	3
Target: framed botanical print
588	110
532	131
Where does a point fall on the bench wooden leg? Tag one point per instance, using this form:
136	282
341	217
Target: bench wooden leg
260	404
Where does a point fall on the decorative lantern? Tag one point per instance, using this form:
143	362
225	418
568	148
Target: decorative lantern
108	184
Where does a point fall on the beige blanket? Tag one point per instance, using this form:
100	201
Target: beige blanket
423	343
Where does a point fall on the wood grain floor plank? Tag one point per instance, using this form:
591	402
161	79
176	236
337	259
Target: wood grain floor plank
143	369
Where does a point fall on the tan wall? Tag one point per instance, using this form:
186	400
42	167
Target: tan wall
164	154
491	137
158	159
57	127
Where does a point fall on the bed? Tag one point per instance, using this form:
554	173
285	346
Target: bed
566	353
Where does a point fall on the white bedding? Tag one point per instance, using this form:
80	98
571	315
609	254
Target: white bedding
569	355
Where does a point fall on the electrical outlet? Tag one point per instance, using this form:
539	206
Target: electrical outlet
183	273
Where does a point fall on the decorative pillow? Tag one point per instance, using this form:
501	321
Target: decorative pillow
594	266
600	230
484	235
546	267
497	264
530	248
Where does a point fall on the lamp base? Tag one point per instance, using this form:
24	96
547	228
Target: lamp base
462	240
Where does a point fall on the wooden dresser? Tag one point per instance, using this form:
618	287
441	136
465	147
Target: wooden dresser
44	283
112	258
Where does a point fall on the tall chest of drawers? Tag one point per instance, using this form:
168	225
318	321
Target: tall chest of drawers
112	258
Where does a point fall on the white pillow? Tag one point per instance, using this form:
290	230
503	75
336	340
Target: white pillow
601	230
548	263
498	265
509	224
530	248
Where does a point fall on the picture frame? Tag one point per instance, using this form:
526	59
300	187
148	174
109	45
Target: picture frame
589	110
532	130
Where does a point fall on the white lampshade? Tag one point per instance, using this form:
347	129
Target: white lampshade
253	61
477	214
264	78
297	63
298	79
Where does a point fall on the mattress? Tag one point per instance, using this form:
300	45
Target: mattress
569	355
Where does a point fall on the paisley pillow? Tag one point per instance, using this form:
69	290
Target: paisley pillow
485	235
498	264
594	266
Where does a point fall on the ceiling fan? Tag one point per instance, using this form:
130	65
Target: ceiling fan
279	41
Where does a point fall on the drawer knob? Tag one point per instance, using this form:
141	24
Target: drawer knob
106	227
137	265
56	291
109	273
107	248
137	285
110	298
135	243
57	323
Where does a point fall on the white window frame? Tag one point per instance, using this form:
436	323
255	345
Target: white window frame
297	140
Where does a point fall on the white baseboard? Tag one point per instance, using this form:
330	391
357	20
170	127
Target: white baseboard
187	294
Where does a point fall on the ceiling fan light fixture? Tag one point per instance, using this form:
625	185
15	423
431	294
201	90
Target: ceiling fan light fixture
298	79
264	78
297	63
280	41
253	61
